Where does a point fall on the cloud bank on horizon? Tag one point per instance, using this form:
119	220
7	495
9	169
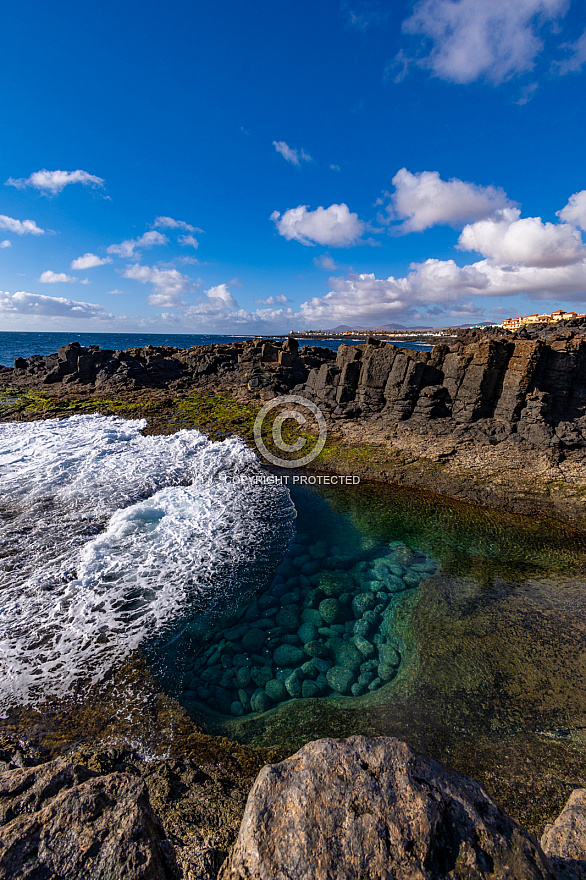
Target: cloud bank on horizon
453	127
520	255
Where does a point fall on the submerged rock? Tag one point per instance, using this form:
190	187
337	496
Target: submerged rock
288	655
374	808
303	635
276	690
340	679
331	611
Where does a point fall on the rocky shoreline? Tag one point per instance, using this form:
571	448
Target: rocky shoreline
495	418
344	808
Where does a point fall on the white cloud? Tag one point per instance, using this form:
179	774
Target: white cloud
189	241
20	227
23	303
219	305
5	243
528	241
325	261
466	40
170	223
295	157
527	93
426	200
430	289
335	168
363	15
271	300
127	248
50	277
89	261
220	294
369	300
575	211
55	181
576	57
115	292
334	226
169	285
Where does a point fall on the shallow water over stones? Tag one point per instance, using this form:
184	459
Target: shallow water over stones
324	627
492	648
336	622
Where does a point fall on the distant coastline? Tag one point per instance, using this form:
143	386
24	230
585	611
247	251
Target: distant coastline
15	344
421	337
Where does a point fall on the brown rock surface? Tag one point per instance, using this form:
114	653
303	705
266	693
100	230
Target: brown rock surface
565	840
373	808
60	821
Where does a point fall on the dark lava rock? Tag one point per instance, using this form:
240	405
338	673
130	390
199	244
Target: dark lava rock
253	640
63	821
373	808
288	655
276	690
331	611
340	679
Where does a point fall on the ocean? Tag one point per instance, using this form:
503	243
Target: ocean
109	539
13	345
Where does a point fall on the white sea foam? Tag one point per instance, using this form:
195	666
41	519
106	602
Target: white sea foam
107	537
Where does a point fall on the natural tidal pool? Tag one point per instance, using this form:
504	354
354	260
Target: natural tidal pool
383	594
153	586
458	629
323	628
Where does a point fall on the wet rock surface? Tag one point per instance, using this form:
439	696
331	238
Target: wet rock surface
324	628
374	808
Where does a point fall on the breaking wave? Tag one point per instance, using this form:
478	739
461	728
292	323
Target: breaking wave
109	538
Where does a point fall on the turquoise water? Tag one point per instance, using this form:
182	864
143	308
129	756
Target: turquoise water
390	613
13	345
324	627
374	611
475	654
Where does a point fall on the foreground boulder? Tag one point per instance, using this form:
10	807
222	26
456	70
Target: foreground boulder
61	821
373	808
565	840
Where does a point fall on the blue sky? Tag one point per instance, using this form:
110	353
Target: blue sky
230	167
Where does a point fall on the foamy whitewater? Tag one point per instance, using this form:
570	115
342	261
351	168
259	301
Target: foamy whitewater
109	538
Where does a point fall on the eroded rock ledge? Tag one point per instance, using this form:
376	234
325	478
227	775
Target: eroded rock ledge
485	386
491	387
494	418
347	809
